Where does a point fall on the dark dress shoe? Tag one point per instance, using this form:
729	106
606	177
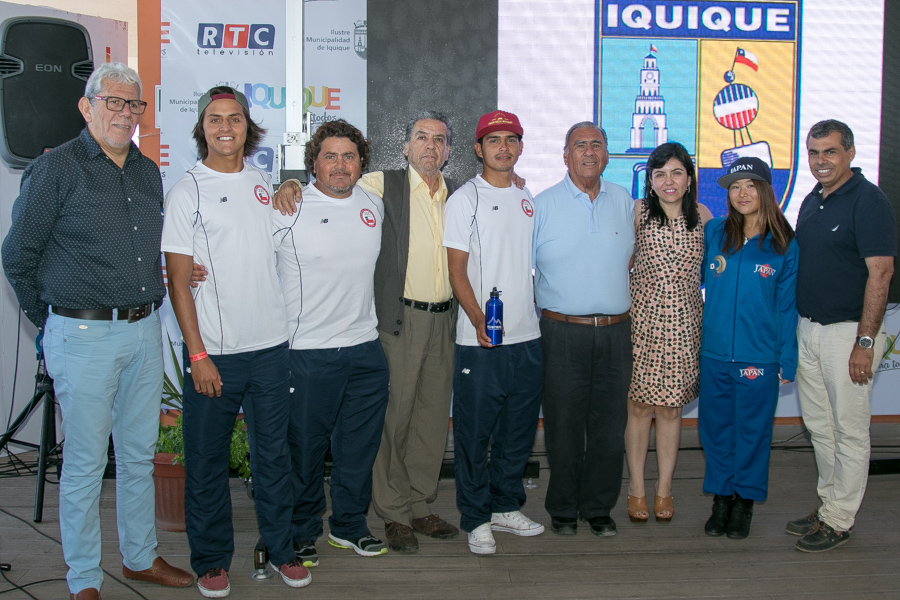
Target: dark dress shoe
401	538
162	573
721	512
739	524
434	526
602	526
86	594
563	525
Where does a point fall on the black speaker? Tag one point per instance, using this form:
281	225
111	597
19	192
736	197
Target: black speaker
44	64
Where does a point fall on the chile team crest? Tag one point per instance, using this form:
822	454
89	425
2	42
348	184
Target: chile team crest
721	78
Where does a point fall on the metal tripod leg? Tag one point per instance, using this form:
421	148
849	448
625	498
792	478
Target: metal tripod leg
48	442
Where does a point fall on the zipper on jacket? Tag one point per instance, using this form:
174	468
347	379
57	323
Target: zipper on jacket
737	286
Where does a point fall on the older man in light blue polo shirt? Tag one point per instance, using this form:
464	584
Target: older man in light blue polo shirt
583	242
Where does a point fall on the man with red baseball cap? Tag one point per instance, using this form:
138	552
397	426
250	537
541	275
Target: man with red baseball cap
488	226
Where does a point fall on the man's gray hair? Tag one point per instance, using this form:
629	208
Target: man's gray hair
115	72
433	115
590	124
829	126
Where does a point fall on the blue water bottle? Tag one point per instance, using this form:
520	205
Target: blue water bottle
493	318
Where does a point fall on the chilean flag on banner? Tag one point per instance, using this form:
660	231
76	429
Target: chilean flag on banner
746	58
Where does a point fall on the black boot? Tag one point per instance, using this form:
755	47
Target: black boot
721	512
741	515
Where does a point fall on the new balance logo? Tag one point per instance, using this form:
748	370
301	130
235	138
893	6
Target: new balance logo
223	199
323	221
496	208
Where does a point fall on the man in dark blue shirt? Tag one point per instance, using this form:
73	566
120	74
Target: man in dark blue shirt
83	257
847	236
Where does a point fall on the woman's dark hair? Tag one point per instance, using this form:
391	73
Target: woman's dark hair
658	158
336	128
255	133
770	218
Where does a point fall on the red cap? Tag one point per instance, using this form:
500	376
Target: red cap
498	121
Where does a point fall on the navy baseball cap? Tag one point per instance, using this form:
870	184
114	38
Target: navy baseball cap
748	167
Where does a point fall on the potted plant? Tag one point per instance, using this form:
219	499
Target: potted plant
171	395
168	470
168	477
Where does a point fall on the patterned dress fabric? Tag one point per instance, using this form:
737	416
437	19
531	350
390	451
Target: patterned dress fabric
666	312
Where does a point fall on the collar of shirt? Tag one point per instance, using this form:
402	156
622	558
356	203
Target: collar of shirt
94	150
844	189
415	180
582	196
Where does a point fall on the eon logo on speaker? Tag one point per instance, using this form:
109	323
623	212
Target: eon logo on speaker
48	68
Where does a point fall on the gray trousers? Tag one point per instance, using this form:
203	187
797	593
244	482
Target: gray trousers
408	464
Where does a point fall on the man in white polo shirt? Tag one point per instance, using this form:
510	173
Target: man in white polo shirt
235	340
488	227
339	375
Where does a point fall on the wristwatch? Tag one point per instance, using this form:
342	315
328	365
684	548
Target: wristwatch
864	342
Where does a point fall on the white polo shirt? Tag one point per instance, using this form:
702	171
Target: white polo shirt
326	260
495	226
224	221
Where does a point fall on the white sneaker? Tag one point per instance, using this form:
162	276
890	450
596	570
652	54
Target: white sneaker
481	540
516	523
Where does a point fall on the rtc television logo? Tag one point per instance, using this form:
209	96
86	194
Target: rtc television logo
235	39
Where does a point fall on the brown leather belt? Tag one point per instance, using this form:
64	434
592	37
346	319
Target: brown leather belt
106	314
599	321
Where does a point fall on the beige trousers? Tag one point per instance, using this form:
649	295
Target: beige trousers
406	471
837	413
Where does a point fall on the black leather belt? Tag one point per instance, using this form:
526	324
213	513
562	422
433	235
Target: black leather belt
107	314
432	307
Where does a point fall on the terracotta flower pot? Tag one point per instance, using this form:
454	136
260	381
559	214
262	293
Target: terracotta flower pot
167	418
169	481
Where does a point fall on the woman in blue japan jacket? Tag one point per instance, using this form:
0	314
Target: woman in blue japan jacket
749	342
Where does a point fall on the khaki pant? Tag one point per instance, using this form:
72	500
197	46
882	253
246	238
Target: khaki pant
837	413
408	465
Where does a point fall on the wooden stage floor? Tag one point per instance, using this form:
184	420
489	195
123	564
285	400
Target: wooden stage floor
646	560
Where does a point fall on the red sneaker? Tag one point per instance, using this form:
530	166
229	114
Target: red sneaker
214	583
294	573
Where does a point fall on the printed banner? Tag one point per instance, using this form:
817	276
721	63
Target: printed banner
334	61
722	78
243	45
229	43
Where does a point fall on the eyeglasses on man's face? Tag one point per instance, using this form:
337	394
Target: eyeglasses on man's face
116	104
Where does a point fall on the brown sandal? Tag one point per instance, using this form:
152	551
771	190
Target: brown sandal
662	507
636	507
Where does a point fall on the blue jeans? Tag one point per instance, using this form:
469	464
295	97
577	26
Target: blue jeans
339	395
259	381
107	376
496	405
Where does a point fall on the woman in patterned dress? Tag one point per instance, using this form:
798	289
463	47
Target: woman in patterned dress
666	312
